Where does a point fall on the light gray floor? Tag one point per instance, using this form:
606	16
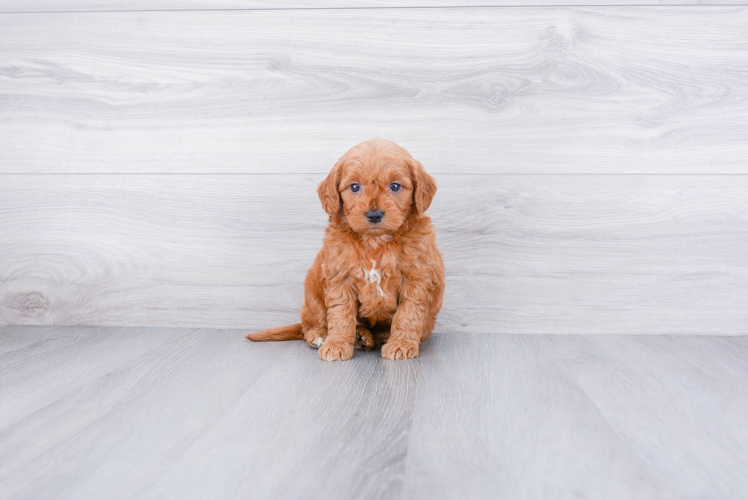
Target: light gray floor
96	412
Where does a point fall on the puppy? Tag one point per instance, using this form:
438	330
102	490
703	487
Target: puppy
379	277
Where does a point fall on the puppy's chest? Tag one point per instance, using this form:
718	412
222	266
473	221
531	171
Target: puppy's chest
377	283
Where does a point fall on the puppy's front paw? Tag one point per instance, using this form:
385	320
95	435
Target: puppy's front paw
400	349
332	350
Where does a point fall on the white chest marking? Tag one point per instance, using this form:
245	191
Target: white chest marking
374	276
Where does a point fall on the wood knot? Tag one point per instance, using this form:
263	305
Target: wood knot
32	304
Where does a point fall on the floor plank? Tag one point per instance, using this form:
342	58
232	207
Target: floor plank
571	416
498	413
699	379
132	398
523	254
205	414
18	337
516	90
342	428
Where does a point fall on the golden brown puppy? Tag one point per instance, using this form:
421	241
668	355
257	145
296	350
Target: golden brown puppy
379	270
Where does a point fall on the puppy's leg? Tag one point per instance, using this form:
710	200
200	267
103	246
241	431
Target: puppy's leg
314	312
411	320
314	322
341	322
436	303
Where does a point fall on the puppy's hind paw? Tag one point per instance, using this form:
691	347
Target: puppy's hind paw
315	337
400	349
364	339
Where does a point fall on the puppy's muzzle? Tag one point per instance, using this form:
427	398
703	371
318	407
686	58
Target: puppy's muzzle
374	216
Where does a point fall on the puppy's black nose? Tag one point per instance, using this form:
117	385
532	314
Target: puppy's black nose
374	216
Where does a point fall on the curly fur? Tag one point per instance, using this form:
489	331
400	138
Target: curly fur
372	283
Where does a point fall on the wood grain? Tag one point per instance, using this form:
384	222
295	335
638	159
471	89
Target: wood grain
516	90
524	254
164	413
132	387
70	351
697	370
147	5
579	417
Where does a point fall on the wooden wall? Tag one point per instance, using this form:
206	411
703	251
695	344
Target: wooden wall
158	160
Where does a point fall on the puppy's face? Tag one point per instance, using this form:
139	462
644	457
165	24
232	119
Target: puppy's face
375	186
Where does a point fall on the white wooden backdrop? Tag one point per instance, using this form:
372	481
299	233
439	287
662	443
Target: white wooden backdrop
158	167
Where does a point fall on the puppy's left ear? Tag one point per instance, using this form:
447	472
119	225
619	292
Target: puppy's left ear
424	186
328	191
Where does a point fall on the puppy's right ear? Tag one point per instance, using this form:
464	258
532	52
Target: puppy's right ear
328	191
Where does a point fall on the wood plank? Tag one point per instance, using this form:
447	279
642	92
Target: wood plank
18	337
67	353
149	5
335	431
497	412
157	382
525	254
579	417
682	427
204	414
518	90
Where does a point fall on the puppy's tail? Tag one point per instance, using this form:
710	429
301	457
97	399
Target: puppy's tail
290	332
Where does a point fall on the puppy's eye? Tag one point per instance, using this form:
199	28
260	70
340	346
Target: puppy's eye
355	188
395	187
